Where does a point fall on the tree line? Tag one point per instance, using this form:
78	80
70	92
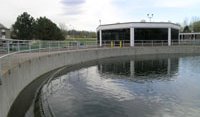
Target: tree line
193	26
79	34
27	27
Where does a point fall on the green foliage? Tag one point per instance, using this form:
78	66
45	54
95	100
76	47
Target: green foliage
27	28
45	29
75	33
186	29
23	27
196	26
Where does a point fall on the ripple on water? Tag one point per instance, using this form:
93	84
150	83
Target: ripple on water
167	87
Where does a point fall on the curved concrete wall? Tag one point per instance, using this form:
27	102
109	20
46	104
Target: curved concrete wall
19	77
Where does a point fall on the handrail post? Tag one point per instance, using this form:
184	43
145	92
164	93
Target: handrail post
49	46
67	44
8	47
18	46
39	46
86	44
0	74
59	45
29	45
77	44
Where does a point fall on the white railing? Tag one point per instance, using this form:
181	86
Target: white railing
13	52
151	43
122	43
116	43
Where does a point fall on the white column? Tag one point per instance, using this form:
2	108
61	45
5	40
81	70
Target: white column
169	36
132	37
100	38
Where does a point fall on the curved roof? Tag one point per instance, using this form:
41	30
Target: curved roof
138	25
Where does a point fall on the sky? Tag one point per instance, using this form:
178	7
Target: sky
86	14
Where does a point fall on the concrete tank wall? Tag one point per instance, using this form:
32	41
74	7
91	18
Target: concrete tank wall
18	78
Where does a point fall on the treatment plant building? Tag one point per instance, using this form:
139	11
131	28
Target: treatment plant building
133	32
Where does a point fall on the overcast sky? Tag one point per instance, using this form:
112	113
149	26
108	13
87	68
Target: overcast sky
85	14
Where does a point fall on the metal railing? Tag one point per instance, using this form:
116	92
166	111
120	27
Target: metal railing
151	43
13	52
9	46
122	43
116	43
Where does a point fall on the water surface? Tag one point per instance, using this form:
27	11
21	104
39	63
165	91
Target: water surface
150	86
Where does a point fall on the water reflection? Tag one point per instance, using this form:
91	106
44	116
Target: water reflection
126	87
159	69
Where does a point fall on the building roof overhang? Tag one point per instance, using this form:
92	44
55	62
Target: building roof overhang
139	25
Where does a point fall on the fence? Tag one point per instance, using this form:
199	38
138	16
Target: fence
13	52
116	43
126	43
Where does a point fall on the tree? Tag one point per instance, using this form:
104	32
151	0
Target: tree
185	22
196	26
63	29
23	27
45	29
186	29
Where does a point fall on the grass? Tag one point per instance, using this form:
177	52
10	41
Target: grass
81	39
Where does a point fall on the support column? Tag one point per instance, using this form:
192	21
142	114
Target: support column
169	37
194	37
100	38
132	37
